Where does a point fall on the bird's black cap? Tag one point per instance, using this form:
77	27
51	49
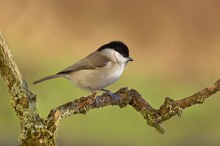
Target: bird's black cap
117	46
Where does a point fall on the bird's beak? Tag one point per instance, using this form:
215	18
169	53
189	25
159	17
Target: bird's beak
130	59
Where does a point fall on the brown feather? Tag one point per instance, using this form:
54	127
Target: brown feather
92	61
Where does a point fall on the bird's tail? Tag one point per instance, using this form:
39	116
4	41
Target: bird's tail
47	78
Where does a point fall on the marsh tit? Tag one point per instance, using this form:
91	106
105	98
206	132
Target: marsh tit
99	69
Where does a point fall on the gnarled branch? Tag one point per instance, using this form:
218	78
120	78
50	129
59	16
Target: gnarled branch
154	117
38	131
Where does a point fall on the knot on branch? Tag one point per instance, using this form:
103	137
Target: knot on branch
217	85
169	109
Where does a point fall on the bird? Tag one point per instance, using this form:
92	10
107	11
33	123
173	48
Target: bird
98	70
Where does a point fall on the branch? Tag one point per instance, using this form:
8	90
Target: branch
23	100
131	97
21	95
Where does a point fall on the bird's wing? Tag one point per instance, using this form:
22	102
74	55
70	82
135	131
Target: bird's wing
94	60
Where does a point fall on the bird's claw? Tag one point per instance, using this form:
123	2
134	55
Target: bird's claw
114	96
97	100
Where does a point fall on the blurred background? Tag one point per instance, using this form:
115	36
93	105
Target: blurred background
175	45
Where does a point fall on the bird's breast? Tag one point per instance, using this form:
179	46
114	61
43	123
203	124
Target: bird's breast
98	78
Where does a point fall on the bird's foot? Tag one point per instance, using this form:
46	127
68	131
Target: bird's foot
98	100
114	96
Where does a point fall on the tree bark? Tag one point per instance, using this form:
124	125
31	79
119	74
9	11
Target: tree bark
33	128
38	131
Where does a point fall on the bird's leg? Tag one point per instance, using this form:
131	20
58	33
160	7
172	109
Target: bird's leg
94	94
96	98
114	96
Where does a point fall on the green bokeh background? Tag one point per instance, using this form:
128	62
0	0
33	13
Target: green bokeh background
175	45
